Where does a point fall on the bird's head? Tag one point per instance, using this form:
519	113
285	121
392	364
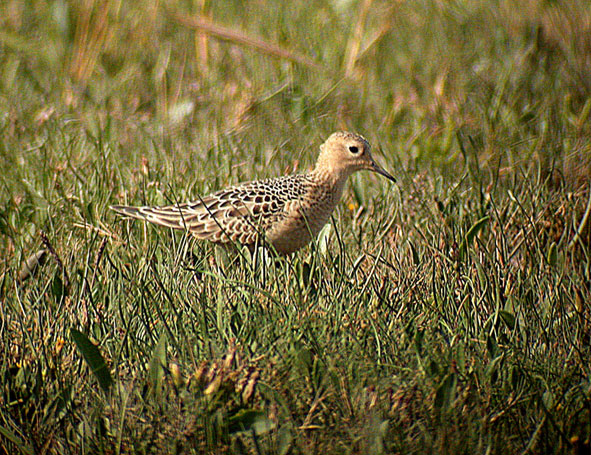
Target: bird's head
344	153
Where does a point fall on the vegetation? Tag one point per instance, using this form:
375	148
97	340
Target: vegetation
447	314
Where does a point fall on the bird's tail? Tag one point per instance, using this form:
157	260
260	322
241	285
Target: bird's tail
173	216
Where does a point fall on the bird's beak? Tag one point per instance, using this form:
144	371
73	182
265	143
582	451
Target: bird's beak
376	168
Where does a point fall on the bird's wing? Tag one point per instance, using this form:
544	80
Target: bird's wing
236	214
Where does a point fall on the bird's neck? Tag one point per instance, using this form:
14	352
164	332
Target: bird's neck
332	179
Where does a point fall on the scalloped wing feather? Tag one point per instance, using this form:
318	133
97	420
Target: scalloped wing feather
236	214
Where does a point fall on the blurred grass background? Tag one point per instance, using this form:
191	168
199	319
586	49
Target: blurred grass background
449	314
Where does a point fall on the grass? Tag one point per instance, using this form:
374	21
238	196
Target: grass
447	314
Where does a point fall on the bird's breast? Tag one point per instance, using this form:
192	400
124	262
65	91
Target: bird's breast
303	219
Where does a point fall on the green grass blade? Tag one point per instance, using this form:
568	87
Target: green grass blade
16	441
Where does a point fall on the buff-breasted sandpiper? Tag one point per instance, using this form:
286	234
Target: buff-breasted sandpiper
284	212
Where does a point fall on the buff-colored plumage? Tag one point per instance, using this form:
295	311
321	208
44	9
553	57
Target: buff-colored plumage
284	212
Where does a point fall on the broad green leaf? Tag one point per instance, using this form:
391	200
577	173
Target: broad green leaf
472	233
251	419
491	370
508	318
93	358
58	288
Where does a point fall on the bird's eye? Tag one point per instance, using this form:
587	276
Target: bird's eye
353	149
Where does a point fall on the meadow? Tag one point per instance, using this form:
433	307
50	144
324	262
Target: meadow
449	313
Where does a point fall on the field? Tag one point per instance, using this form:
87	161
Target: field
447	313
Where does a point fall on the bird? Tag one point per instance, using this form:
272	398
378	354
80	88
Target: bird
283	213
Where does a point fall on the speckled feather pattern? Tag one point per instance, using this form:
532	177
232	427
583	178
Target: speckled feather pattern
285	212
